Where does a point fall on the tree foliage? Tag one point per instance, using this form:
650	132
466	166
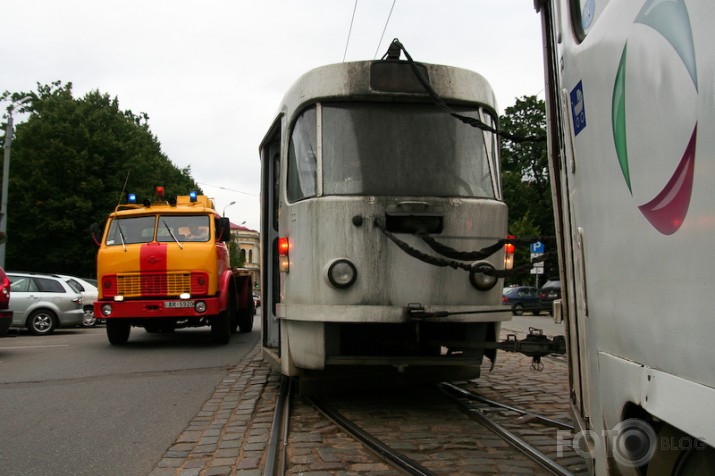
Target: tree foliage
73	160
236	258
525	180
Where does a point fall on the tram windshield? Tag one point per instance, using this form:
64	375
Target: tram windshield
387	149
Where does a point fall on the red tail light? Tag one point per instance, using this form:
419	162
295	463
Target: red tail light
283	246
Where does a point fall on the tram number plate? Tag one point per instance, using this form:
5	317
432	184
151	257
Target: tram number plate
178	304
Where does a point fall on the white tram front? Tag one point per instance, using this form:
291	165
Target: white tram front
357	152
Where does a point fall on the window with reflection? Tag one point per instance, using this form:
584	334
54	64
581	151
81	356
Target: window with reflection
405	149
302	157
131	230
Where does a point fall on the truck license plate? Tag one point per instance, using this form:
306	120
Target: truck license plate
178	304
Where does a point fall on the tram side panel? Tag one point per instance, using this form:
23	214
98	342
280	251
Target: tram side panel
633	92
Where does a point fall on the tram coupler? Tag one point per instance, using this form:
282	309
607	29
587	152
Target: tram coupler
534	345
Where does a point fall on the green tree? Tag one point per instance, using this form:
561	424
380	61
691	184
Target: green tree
73	160
525	180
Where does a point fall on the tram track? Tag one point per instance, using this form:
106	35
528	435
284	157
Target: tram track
420	431
465	399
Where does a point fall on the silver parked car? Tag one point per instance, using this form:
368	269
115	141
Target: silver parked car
43	302
88	289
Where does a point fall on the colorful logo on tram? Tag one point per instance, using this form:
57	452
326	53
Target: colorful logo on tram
666	212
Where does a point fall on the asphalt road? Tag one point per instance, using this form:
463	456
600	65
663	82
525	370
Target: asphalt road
71	404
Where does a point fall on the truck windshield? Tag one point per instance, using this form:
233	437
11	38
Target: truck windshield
131	230
170	228
183	228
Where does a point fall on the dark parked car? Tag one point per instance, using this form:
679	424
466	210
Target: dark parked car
550	292
522	298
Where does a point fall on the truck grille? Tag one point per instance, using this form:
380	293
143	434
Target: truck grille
153	284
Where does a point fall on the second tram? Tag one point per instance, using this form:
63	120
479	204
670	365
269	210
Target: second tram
368	168
631	106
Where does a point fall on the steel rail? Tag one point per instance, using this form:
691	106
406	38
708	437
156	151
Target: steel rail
514	440
279	429
389	455
473	396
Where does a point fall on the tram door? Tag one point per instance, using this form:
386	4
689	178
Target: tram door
571	236
270	200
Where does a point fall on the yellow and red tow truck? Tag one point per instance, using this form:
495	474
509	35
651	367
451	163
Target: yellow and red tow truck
164	265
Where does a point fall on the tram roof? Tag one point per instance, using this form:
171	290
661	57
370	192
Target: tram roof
353	79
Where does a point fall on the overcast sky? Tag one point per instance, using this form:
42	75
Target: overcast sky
210	74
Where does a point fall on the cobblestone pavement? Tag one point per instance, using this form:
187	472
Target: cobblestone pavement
229	436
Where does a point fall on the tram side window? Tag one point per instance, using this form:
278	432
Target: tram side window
302	157
584	14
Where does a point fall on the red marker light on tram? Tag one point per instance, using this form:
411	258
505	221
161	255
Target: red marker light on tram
283	262
509	250
283	246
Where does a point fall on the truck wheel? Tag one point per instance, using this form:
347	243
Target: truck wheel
221	328
118	332
245	320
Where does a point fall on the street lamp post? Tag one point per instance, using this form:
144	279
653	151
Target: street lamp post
223	214
5	176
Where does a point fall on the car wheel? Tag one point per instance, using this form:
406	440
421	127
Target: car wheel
518	309
89	320
42	322
118	332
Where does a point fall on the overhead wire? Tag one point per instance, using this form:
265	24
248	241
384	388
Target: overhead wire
350	31
385	28
227	189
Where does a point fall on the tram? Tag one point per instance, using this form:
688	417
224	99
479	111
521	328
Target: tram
631	107
367	168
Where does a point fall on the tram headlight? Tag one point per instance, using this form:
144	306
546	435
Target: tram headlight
341	273
483	276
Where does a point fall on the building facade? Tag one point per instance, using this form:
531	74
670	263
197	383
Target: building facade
248	244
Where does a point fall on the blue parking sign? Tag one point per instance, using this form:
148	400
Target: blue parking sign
537	247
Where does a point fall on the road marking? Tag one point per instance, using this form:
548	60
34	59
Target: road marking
34	346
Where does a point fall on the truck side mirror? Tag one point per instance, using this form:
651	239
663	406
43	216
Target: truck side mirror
96	231
223	229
